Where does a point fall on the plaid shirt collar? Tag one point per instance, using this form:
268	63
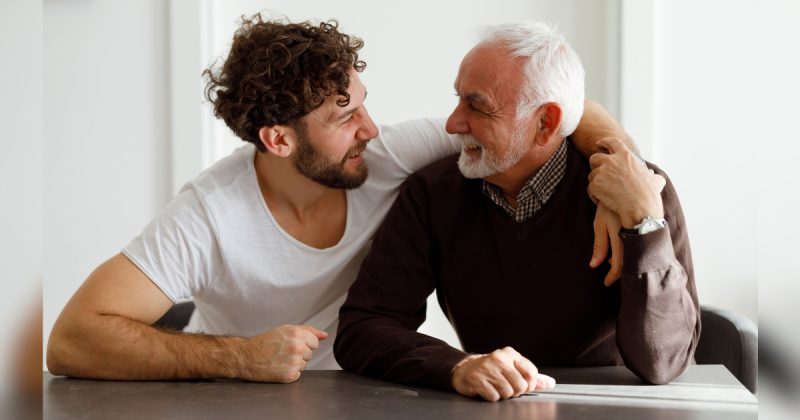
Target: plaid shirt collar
536	191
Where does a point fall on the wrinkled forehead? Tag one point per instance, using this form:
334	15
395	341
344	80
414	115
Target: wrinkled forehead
489	68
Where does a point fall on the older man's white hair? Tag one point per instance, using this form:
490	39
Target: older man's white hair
553	71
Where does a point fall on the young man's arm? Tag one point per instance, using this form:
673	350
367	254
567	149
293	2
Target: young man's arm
595	125
105	332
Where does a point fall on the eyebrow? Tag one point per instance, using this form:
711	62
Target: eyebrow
346	114
474	98
478	99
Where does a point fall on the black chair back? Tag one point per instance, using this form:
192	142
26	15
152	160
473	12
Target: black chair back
729	339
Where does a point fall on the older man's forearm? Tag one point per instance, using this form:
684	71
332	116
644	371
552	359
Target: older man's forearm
658	325
381	347
659	320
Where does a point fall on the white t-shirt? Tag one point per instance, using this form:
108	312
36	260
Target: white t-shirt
218	243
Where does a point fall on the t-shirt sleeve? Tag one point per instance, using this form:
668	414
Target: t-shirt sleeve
178	249
412	145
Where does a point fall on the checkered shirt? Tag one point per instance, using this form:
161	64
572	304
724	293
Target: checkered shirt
536	191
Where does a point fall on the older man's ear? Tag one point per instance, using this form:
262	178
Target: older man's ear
549	121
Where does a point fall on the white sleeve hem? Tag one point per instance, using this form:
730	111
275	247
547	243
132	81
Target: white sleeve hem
141	267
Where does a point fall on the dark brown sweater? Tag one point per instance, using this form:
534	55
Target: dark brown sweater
526	285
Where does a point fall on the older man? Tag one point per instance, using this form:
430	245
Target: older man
502	233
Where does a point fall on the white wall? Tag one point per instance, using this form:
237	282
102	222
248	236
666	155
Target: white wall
20	175
106	130
721	91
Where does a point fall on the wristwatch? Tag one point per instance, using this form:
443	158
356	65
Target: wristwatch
649	224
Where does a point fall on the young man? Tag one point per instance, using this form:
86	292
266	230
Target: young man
268	240
501	233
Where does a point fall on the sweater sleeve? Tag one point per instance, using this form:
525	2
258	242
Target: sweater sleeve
659	319
377	324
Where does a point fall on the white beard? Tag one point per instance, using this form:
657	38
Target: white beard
489	164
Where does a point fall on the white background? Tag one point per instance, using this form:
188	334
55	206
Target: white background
718	109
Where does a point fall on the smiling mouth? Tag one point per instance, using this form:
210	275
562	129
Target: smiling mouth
355	154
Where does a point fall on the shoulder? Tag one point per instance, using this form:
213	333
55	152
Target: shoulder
227	172
225	191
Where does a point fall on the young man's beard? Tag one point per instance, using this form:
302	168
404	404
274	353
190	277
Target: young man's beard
321	170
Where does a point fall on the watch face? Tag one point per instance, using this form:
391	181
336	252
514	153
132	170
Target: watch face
649	225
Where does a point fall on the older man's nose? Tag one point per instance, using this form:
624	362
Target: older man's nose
456	124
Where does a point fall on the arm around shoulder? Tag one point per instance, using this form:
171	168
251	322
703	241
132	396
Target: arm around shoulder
596	124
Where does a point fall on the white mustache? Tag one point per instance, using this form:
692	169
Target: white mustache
468	140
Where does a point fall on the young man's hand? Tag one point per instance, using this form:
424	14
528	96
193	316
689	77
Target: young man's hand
280	355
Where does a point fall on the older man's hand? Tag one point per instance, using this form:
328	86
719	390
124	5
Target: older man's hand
606	232
499	375
620	182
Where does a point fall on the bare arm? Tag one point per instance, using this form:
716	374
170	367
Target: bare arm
596	124
105	332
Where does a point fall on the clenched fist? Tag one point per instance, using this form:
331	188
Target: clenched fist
279	355
499	375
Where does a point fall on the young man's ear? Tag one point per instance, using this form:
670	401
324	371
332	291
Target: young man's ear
549	123
280	140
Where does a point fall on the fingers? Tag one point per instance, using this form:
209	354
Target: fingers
502	385
528	371
601	240
544	382
321	335
487	391
596	160
616	260
499	375
517	385
307	354
613	145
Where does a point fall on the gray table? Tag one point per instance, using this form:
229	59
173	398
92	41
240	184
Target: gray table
597	393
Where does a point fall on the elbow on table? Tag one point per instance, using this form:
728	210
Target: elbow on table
660	372
63	354
57	358
340	353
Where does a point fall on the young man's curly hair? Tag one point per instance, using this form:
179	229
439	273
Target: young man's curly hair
276	73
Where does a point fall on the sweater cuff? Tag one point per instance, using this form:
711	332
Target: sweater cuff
441	369
646	253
